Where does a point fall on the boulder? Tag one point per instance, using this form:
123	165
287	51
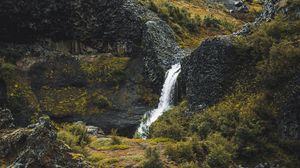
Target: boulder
209	72
36	147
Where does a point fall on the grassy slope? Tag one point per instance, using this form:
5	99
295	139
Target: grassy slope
227	23
247	120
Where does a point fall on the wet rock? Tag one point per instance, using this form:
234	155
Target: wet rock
159	58
36	147
6	119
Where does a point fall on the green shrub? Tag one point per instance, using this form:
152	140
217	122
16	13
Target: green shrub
211	21
153	159
221	151
171	124
189	151
115	140
189	165
176	16
100	101
6	69
74	134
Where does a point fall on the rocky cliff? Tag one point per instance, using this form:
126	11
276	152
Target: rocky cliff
218	67
103	59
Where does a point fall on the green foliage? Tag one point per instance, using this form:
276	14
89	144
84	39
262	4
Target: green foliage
74	134
210	21
171	124
64	101
115	140
6	69
153	159
100	101
176	16
221	151
242	126
107	70
186	152
72	100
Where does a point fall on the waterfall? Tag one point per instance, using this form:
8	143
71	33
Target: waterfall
164	101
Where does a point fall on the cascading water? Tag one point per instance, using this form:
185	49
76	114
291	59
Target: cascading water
164	101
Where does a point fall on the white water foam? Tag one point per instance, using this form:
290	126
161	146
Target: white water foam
165	101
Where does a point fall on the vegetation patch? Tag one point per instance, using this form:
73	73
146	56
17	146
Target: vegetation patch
107	70
243	128
193	21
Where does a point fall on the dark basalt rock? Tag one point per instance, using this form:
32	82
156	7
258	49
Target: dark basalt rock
270	8
45	31
290	122
3	92
161	50
6	119
80	26
209	72
36	146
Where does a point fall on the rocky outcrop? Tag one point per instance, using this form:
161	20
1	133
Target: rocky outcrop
161	50
116	26
290	122
209	72
3	92
270	9
6	119
48	40
35	146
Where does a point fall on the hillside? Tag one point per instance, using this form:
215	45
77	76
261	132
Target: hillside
150	83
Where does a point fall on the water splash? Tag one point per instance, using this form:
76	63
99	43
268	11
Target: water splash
165	101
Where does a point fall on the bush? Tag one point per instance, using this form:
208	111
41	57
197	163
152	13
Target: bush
74	134
221	151
171	124
189	151
211	21
153	159
176	16
100	101
115	140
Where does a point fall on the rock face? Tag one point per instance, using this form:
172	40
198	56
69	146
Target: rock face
38	35
270	8
208	72
116	26
290	122
159	45
6	119
35	146
3	92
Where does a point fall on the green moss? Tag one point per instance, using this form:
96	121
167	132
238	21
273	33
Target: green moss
100	101
105	69
64	101
72	100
